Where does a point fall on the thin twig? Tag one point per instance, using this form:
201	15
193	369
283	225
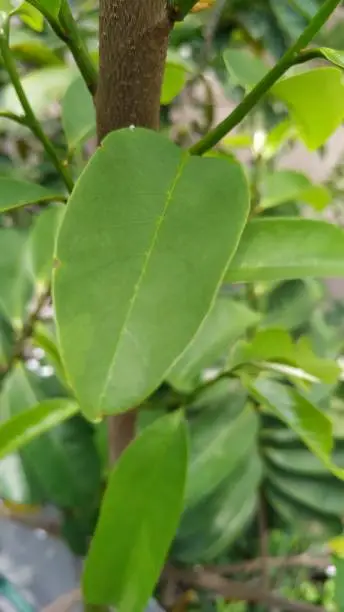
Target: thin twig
67	30
234	590
292	56
30	118
264	542
255	565
25	333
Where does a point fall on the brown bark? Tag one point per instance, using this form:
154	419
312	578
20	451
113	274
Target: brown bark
133	40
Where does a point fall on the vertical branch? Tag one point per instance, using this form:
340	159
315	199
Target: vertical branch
133	39
264	542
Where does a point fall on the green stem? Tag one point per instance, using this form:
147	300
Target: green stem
290	58
13	117
78	48
67	30
30	119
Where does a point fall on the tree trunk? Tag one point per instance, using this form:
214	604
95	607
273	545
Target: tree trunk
133	39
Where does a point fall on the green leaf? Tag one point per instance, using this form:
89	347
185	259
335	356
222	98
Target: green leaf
277	249
335	56
138	517
220	437
15	193
26	426
244	67
277	345
15	276
225	323
304	521
127	313
208	529
62	461
51	7
174	81
282	186
78	114
42	242
311	424
44	88
30	16
317	196
306	95
326	494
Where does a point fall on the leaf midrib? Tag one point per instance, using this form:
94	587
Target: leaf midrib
145	266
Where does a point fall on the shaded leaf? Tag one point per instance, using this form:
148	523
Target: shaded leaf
137	523
126	314
221	435
78	114
21	429
42	242
282	186
174	81
15	277
62	461
244	67
277	249
208	529
15	193
226	322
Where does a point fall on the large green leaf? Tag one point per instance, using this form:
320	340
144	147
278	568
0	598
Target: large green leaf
78	114
138	517
21	429
63	461
277	249
143	247
307	95
221	435
14	193
225	323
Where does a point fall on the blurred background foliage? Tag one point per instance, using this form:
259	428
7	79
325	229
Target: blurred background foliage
259	503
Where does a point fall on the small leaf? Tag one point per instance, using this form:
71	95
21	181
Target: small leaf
52	7
15	193
335	56
78	114
126	313
26	426
15	276
244	67
44	88
42	242
306	95
174	81
311	424
30	16
277	249
282	186
138	517
225	323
